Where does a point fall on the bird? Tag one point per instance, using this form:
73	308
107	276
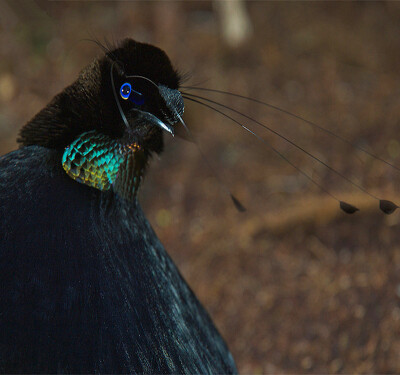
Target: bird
86	285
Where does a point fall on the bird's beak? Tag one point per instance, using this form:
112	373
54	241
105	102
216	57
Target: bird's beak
153	120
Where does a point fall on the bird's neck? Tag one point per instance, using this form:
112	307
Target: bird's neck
73	111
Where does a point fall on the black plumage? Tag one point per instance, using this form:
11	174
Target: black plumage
86	286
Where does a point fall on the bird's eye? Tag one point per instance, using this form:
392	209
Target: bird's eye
125	90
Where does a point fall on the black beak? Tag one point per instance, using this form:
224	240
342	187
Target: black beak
153	120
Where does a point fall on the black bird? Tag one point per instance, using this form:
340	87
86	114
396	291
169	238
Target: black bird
86	286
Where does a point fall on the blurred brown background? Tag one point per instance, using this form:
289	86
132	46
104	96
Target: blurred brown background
294	285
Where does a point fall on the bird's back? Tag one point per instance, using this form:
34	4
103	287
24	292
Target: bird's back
86	284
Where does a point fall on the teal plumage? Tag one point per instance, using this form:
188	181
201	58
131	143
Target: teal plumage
96	160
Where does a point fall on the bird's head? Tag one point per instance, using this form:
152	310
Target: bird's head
110	120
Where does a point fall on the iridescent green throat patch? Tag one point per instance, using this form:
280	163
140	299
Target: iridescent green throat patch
101	162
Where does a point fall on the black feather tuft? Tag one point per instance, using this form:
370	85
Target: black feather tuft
237	204
387	207
348	208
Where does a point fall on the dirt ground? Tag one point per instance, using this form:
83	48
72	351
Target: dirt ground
294	284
